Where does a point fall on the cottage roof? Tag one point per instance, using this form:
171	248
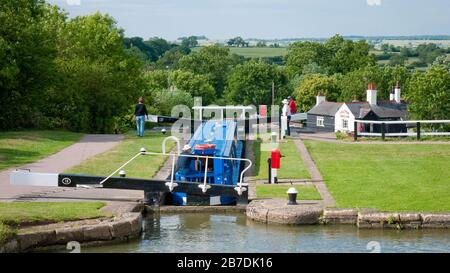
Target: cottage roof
326	108
383	109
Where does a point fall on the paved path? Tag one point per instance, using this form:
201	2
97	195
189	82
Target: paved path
327	199
87	147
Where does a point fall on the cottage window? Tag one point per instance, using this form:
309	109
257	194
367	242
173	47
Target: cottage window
345	124
320	122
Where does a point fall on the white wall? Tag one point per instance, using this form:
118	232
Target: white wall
344	113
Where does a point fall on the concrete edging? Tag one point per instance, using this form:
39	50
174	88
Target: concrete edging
125	224
277	211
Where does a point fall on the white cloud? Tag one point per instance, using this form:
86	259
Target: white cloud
73	2
374	2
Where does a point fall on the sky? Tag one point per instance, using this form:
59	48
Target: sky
269	19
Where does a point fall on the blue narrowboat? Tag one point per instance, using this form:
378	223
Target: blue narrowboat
213	139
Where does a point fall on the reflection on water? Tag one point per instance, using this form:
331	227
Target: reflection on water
234	233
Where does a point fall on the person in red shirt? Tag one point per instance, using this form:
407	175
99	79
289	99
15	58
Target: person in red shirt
292	111
292	105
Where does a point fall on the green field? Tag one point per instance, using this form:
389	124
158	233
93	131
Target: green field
22	147
388	177
256	52
414	43
292	166
142	167
259	52
280	192
15	214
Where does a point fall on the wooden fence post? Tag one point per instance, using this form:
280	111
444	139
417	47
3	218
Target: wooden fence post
383	130
355	131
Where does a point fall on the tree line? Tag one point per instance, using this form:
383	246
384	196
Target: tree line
83	74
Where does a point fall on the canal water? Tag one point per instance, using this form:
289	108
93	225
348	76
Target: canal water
234	233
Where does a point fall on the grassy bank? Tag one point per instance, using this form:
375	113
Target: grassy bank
385	177
142	167
280	192
22	147
14	214
292	166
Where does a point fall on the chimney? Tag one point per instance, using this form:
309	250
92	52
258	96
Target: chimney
320	98
397	93
391	95
372	94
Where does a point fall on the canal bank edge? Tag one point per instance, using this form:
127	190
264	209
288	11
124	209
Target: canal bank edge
125	224
273	211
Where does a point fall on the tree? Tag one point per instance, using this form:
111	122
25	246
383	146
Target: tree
195	85
346	55
311	85
301	54
251	83
214	62
27	54
397	59
353	85
337	55
171	58
165	100
443	60
237	42
189	42
261	44
429	94
427	53
99	79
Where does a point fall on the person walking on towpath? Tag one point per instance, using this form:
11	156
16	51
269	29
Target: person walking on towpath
140	112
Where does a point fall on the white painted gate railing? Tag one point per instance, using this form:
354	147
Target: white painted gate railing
172	184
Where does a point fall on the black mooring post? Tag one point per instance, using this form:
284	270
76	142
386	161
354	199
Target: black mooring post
383	131
418	130
355	131
269	163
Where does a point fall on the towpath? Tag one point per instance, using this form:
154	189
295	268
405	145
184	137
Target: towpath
87	147
327	199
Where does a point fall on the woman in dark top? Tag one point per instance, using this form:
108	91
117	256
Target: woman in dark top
140	112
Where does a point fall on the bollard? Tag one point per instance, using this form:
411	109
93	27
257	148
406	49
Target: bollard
292	194
269	164
274	137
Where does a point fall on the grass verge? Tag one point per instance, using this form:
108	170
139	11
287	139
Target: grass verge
386	177
142	167
292	166
16	214
22	147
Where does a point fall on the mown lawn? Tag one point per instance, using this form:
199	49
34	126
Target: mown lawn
280	192
387	177
292	166
22	147
141	167
14	214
